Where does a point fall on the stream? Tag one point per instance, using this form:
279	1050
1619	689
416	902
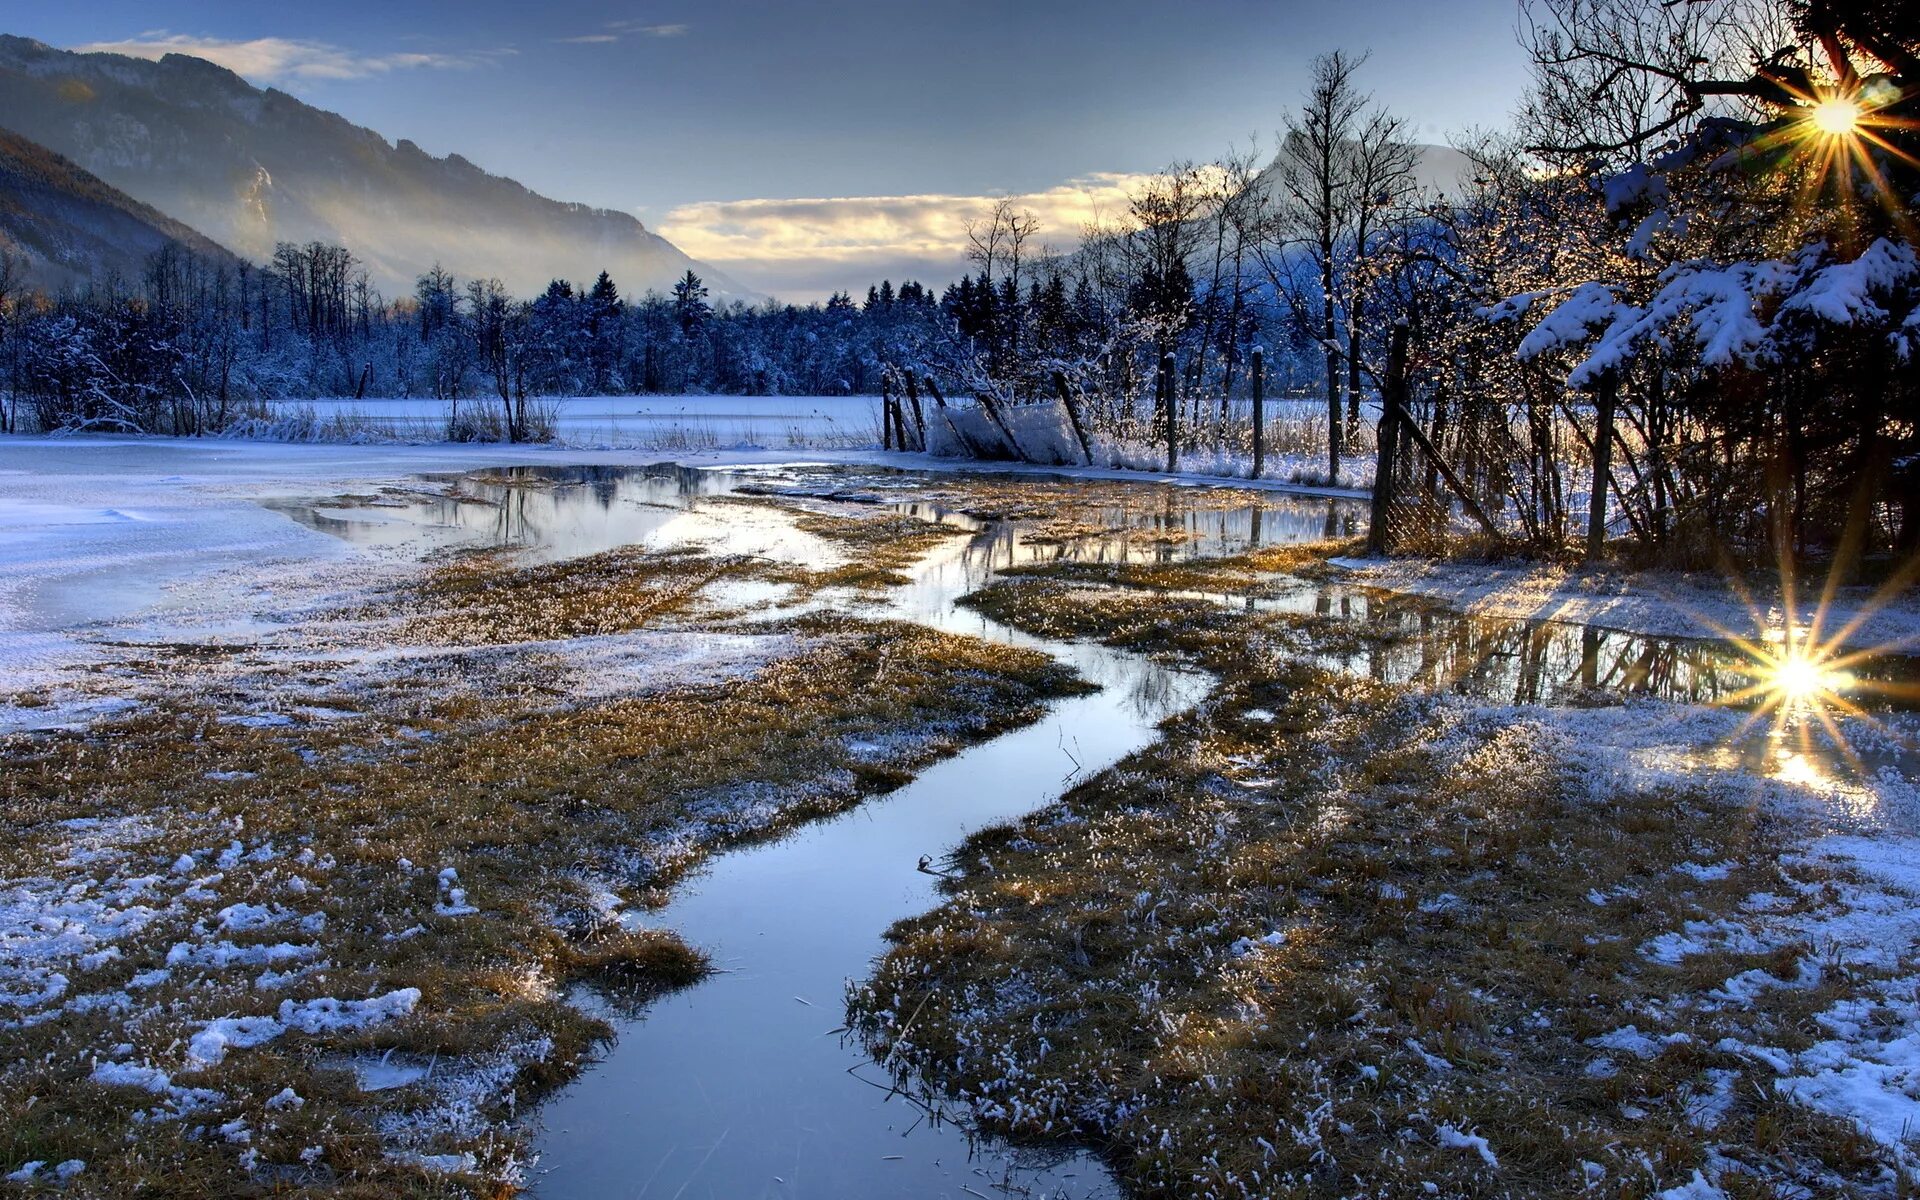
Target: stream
744	1085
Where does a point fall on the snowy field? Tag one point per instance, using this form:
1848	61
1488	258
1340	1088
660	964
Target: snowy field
679	422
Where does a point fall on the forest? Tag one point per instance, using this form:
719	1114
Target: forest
1672	309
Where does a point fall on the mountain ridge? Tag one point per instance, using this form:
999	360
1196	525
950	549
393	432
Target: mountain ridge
252	166
74	229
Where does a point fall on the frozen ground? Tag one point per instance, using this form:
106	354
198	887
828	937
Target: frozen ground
689	422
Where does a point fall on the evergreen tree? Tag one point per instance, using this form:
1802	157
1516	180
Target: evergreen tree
690	306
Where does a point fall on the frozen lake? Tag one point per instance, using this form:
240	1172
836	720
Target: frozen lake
666	422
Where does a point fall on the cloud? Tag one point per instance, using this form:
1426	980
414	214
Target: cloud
850	229
806	248
273	58
618	30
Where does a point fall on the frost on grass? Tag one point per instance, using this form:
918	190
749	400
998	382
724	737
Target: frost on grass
304	917
1334	938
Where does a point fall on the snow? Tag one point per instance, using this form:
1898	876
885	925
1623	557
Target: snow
1738	313
32	1171
1043	433
1586	308
1638	184
1696	1188
453	897
1456	1139
148	1078
1629	1040
1846	292
209	1046
324	1015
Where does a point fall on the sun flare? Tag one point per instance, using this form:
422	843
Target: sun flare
1801	678
1836	116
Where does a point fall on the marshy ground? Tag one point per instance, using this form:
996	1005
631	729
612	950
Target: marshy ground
1380	917
443	798
1335	938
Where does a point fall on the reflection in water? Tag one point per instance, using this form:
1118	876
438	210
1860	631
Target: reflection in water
740	1087
558	512
1415	642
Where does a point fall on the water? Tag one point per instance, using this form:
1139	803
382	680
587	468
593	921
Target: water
744	1086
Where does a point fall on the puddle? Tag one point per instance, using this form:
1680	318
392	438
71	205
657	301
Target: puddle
744	1086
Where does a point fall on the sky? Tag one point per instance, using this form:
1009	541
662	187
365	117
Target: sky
807	145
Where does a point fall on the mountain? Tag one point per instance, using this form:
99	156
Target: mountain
251	167
1442	170
1437	171
73	228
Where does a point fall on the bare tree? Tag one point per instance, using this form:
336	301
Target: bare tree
1243	200
997	241
1618	77
1166	237
1382	163
1315	183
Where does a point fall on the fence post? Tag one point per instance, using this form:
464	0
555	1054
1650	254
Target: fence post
919	418
1170	391
1259	411
1073	413
1387	439
1602	463
886	411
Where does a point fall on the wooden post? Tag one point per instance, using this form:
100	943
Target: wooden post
1170	406
992	408
1387	435
940	404
886	412
1602	463
1440	464
1073	413
919	418
1259	411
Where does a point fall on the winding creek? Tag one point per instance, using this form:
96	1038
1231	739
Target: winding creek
744	1085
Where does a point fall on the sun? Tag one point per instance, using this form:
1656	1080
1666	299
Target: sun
1800	678
1836	116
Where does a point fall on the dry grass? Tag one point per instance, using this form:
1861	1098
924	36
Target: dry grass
880	547
554	809
1440	962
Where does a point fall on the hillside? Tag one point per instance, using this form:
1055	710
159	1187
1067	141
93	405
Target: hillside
73	228
251	167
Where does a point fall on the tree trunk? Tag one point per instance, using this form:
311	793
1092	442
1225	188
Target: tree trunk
1393	400
919	417
1259	411
1073	414
1169	390
1602	464
1331	346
